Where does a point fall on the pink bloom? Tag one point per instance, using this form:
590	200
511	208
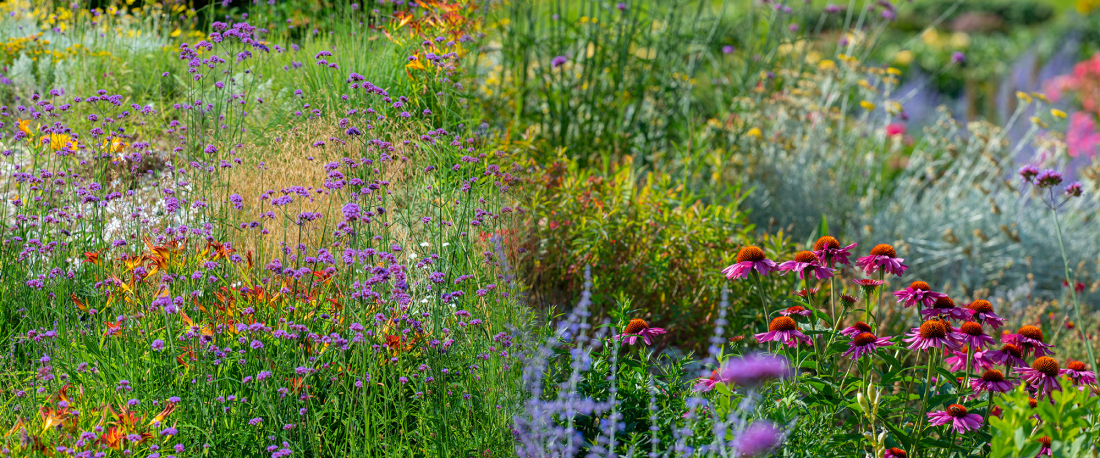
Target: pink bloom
828	249
866	343
755	369
974	336
982	310
797	310
1075	370
992	381
1030	339
806	261
933	334
1009	355
1045	449
703	385
918	293
882	257
867	286
958	417
638	328
750	258
1042	376
895	128
945	307
856	329
978	361
1081	136
784	329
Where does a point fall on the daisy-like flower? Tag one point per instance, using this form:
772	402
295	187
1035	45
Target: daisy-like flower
856	329
639	328
1042	376
1009	355
978	361
1030	339
866	343
867	286
1077	372
945	307
974	335
783	329
933	334
992	381
958	417
918	292
802	292
982	310
894	452
883	257
1045	449
828	250
806	263
703	385
797	310
750	258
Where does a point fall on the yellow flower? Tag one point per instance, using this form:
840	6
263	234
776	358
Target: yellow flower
175	33
1040	96
60	142
755	132
114	145
22	124
893	71
1058	113
1035	120
904	57
1023	96
826	64
867	105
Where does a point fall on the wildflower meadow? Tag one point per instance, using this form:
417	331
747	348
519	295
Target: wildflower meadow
549	228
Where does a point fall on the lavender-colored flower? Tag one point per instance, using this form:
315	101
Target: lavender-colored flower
1077	372
828	250
945	307
1048	178
957	416
918	292
783	329
958	57
1028	173
636	328
758	439
856	329
748	259
883	257
1042	376
982	311
558	61
933	334
157	345
806	262
992	381
754	369
727	49
1073	189
866	343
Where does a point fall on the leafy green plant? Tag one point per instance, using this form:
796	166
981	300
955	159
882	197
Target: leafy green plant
1068	426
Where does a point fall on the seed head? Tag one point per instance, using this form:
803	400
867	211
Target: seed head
933	329
750	253
1075	366
956	410
1047	365
635	326
883	249
827	241
981	306
1012	350
993	375
863	327
944	302
920	285
864	338
971	328
805	256
1031	332
1045	440
782	323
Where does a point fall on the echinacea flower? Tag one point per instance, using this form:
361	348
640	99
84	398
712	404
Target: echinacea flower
758	439
982	310
945	307
864	343
783	329
797	310
806	262
1030	339
867	286
754	369
883	257
974	335
957	361
803	292
918	292
894	452
1009	355
828	249
933	334
750	258
957	416
1042	375
991	381
847	300
856	329
703	385
636	328
1045	449
1077	372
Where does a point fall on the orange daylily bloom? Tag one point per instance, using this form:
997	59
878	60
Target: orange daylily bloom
92	257
23	126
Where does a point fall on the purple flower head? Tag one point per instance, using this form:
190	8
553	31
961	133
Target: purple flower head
1077	372
636	328
806	263
748	259
828	250
918	292
991	381
784	329
866	343
933	335
727	49
958	417
958	57
1073	189
1042	376
758	439
754	369
558	61
1028	173
867	286
982	311
945	307
1048	178
883	257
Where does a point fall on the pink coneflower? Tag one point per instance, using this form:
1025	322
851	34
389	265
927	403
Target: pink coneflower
992	381
957	361
918	292
1077	372
1030	339
982	310
1042	375
806	262
803	292
883	257
796	310
957	416
867	286
933	334
703	385
866	343
1045	449
750	258
945	307
783	329
856	329
974	335
894	452
1009	355
828	250
636	328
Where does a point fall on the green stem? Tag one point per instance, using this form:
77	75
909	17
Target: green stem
924	400
1073	290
